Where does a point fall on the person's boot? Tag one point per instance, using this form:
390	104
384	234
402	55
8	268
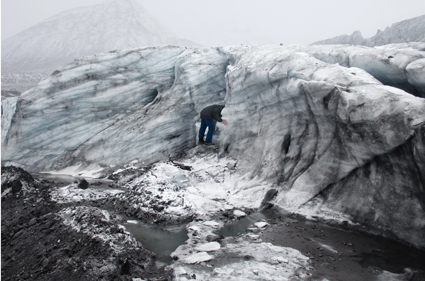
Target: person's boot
201	141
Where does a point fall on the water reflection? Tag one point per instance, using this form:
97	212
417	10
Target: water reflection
160	239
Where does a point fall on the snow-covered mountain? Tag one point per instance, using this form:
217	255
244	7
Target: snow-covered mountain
310	121
9	94
21	81
411	30
110	25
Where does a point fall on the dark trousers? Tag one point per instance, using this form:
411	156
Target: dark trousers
210	123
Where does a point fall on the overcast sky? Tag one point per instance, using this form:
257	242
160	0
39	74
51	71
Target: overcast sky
212	22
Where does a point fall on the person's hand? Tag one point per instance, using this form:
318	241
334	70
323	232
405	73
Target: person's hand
224	122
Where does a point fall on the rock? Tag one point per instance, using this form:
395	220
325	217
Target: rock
16	186
18	181
158	208
253	236
253	230
214	237
83	184
271	194
32	221
125	267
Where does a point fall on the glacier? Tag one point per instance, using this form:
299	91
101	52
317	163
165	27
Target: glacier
327	127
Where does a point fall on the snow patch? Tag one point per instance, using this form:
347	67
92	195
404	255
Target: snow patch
86	219
72	192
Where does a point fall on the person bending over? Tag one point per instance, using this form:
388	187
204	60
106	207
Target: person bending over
209	116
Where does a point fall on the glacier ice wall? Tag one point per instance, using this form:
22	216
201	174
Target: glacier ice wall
8	108
311	126
121	106
316	121
397	65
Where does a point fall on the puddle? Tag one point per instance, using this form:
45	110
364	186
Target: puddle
395	259
335	253
63	180
241	225
160	239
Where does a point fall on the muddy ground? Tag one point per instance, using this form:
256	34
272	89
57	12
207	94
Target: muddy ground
38	245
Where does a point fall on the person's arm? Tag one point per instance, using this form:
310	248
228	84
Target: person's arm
216	114
224	122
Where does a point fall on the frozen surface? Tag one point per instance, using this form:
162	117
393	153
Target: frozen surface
316	124
250	259
210	187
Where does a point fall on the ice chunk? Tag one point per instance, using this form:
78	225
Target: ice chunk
415	72
261	224
212	224
198	257
239	213
208	247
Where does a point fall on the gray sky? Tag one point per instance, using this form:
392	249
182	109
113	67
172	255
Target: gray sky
210	22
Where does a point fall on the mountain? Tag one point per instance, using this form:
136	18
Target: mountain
110	25
9	94
311	128
20	81
411	30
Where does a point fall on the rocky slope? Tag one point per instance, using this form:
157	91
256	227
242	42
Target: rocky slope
309	121
72	242
411	30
